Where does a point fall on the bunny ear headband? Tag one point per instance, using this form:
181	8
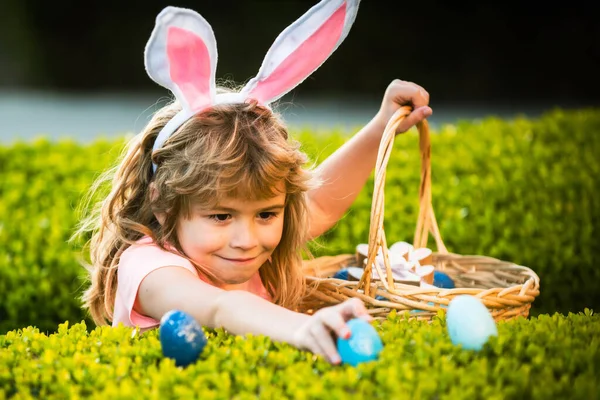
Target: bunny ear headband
181	56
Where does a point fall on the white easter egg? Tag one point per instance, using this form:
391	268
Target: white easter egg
469	322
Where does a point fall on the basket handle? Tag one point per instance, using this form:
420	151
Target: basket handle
426	222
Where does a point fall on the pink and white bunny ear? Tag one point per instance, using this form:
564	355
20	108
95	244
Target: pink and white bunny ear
301	48
181	55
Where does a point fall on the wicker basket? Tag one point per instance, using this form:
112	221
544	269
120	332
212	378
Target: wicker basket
505	288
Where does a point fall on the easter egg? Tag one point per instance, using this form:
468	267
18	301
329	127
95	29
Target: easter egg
442	280
181	337
469	322
349	274
363	345
341	274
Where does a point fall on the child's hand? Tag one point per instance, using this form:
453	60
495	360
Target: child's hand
319	333
400	93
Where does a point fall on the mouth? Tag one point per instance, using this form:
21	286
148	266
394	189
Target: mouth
240	260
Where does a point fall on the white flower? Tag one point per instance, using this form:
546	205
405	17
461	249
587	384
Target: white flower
404	261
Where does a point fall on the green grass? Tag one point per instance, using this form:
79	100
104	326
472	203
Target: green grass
548	357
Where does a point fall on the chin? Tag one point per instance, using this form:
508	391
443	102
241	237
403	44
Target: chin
239	278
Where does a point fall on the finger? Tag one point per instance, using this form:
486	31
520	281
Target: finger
334	321
326	343
408	92
367	318
313	345
353	308
363	313
413	118
417	96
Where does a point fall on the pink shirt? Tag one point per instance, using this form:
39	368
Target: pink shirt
136	263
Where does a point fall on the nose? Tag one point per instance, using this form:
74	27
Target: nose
244	236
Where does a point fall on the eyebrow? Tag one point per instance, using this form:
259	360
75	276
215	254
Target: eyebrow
233	210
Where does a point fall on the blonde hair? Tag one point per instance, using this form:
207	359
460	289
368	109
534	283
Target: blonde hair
227	150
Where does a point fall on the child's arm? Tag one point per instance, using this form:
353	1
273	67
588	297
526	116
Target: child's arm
346	171
241	312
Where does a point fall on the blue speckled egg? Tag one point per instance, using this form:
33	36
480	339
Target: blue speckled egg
442	280
181	337
469	322
363	345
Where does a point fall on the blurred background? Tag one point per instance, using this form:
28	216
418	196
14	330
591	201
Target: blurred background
75	69
523	190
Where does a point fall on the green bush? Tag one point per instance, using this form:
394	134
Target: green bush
524	190
548	357
41	184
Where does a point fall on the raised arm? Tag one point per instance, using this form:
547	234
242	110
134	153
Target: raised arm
346	171
240	312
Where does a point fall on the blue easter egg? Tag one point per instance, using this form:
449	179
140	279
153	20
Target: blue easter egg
469	322
442	280
363	345
349	274
181	337
342	274
380	297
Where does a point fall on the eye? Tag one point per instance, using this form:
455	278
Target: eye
267	215
220	217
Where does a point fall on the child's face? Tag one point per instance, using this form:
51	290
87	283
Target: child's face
235	239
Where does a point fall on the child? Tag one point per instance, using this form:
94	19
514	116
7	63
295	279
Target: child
211	206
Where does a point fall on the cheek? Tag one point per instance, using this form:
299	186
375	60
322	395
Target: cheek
272	235
199	240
